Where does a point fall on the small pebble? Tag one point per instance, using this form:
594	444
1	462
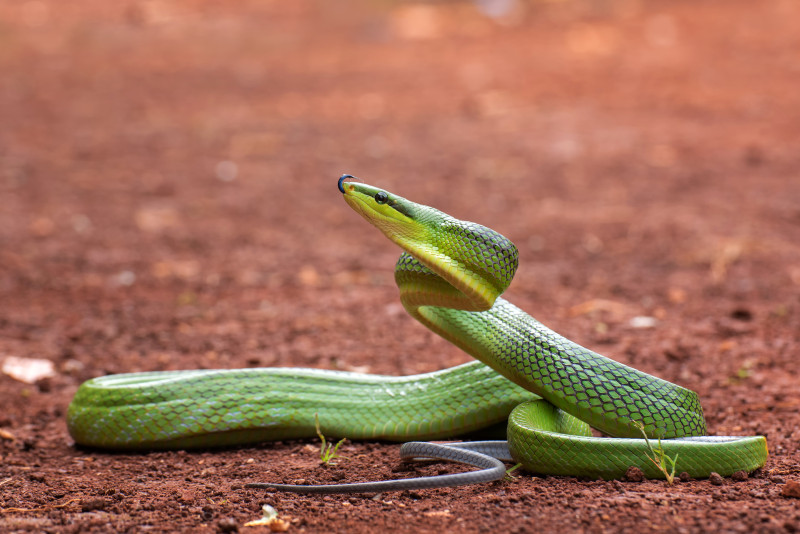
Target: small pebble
715	479
227	524
634	474
739	476
684	477
791	489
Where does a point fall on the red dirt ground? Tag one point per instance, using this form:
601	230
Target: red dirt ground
167	176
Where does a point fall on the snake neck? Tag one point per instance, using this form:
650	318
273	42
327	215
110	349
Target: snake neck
464	265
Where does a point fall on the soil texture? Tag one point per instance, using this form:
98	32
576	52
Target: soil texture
168	201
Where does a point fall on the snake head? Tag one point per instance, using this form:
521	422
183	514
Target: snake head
393	215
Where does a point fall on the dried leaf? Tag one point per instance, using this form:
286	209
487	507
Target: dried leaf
28	370
270	520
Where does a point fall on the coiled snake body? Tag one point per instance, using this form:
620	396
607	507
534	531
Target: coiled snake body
450	276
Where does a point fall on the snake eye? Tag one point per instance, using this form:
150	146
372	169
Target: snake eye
381	197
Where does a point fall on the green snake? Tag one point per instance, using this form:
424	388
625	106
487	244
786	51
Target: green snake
450	276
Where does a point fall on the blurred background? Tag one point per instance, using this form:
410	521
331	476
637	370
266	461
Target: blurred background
167	168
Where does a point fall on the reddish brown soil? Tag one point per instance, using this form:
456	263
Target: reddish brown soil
644	157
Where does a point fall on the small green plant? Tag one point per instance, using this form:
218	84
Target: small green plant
744	372
508	476
327	451
659	457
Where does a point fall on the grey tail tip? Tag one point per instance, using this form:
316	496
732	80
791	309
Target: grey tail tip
342	180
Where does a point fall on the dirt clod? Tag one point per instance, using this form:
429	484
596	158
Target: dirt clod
716	479
37	477
739	476
91	505
227	524
634	474
684	476
791	489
